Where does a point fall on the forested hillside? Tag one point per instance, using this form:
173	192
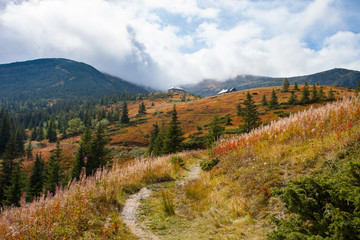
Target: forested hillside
57	78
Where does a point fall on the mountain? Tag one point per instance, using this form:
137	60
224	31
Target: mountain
335	77
58	78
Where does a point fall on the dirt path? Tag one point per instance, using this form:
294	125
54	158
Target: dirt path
129	215
133	203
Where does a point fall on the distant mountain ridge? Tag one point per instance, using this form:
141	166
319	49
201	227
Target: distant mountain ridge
335	77
58	78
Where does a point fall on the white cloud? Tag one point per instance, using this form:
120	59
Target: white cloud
144	40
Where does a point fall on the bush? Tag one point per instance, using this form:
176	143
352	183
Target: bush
208	164
177	160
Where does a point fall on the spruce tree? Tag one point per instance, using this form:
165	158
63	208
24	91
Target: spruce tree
54	174
285	85
331	96
154	135
174	136
215	131
36	181
20	141
251	115
296	88
142	109
238	110
264	101
158	146
273	100
28	150
321	93
4	130
7	165
314	94
99	154
51	132
292	98
16	187
33	135
40	135
305	94
82	153
124	115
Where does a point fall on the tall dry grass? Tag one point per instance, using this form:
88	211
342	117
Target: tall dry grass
85	209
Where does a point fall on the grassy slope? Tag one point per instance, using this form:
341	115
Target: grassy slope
200	112
237	202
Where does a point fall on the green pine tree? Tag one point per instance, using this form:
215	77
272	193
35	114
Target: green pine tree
264	101
124	115
296	88
174	136
331	95
36	181
54	173
305	94
5	128
285	85
238	110
251	115
16	187
292	98
154	135
51	132
314	94
273	103
142	109
215	131
82	154
99	154
321	93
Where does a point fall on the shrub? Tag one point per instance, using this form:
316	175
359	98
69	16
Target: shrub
208	164
177	160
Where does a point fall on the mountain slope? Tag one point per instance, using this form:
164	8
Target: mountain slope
58	78
335	77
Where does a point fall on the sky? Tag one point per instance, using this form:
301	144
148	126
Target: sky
162	43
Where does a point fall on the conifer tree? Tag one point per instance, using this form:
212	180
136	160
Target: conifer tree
82	153
124	115
264	101
20	141
273	100
40	135
28	150
158	147
154	135
142	109
36	181
305	94
228	120
285	85
51	132
238	110
33	135
314	94
99	155
54	174
174	136
16	187
215	131
321	93
4	130
331	96
251	115
292	98
7	165
296	88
